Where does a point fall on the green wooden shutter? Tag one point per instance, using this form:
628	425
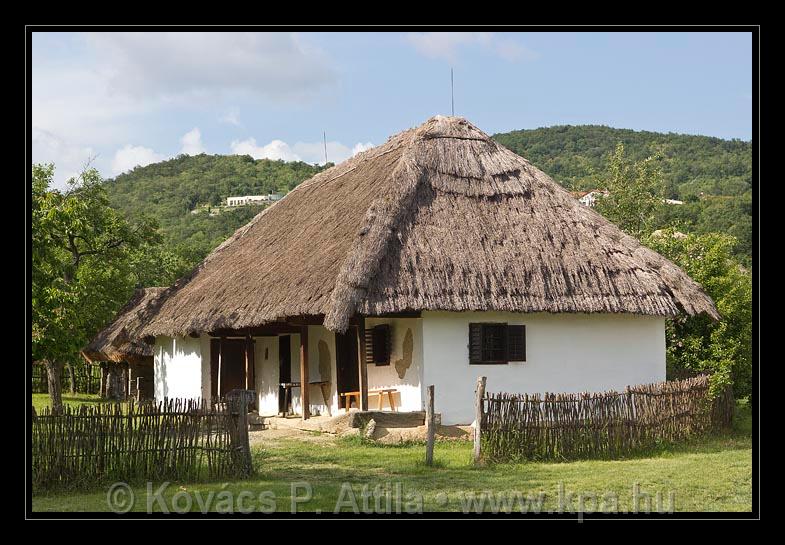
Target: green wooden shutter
516	343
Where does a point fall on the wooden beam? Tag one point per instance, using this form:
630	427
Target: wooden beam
479	394
247	366
360	328
430	426
220	350
304	380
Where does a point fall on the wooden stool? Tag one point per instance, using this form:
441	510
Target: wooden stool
349	396
390	396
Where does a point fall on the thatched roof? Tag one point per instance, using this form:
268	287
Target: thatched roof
440	217
121	339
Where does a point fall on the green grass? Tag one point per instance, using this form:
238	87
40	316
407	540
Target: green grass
42	400
710	474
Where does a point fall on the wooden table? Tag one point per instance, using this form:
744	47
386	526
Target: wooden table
380	392
324	386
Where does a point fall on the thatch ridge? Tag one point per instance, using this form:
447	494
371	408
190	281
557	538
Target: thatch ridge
440	217
121	339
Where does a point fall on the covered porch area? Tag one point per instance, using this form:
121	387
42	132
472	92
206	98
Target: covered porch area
276	359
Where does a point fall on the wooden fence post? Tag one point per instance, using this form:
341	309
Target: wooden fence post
478	397
430	426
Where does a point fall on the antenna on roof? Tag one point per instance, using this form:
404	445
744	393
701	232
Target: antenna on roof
452	93
324	134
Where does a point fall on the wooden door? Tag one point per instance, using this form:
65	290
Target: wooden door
347	370
284	368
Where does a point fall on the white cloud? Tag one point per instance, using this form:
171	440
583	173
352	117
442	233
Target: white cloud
192	142
309	152
360	147
128	157
275	150
272	64
69	159
446	45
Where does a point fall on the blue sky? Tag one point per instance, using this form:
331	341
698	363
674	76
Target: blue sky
126	99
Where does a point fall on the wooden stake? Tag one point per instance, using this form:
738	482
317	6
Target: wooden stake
479	395
361	363
304	393
430	426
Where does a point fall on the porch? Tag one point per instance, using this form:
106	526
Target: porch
275	359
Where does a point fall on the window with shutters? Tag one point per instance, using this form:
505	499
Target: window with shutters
493	343
378	345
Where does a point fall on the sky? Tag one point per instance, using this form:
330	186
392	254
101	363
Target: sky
118	100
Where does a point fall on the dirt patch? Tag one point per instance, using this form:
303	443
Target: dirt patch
269	437
403	435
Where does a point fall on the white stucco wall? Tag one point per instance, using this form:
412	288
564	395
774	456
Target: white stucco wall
410	395
178	368
564	353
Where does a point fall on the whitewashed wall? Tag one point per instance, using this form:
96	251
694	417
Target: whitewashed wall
266	374
565	353
178	368
410	394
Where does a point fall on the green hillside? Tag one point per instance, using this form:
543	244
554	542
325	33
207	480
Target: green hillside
182	193
713	177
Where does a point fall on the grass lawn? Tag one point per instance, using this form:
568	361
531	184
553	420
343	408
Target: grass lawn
712	474
42	400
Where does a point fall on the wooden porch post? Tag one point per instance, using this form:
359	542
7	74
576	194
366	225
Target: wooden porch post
220	351
247	366
304	386
361	363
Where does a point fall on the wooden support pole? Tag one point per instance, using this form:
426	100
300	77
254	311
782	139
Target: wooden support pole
247	366
479	394
304	386
430	426
361	363
220	352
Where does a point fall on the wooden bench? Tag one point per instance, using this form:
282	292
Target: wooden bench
380	392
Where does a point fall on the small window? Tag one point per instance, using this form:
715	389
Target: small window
493	343
378	345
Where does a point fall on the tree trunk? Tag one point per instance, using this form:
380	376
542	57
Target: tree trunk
102	384
113	382
71	377
53	372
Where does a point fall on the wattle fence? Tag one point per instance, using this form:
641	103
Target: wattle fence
607	425
173	440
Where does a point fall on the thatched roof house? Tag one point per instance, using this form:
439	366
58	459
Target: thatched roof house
440	217
120	339
438	233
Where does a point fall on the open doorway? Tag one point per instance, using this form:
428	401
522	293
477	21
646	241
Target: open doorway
347	370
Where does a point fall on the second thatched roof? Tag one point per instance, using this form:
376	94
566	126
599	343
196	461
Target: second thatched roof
121	339
440	217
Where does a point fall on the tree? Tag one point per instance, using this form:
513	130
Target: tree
635	192
80	267
697	343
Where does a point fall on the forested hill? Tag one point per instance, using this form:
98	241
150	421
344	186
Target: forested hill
181	194
713	177
574	155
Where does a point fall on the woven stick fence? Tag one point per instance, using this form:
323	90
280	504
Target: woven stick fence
599	425
176	439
